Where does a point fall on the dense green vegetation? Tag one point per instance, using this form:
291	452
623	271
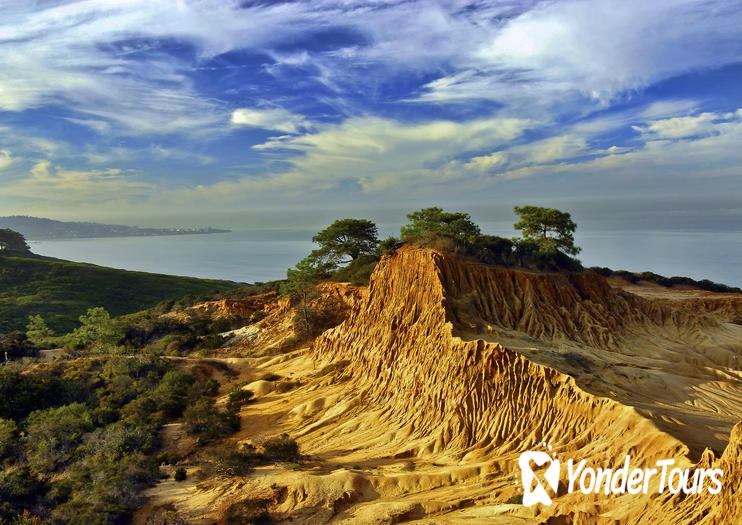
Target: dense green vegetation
430	222
61	291
12	242
546	244
348	237
79	440
80	436
550	228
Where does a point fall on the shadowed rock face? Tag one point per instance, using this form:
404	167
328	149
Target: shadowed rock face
580	307
475	398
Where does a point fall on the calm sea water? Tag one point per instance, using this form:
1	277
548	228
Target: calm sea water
265	255
237	256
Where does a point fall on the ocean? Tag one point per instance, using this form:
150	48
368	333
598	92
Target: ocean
236	256
263	255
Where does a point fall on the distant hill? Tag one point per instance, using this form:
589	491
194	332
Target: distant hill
36	228
60	291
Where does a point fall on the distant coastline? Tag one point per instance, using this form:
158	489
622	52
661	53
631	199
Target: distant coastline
40	229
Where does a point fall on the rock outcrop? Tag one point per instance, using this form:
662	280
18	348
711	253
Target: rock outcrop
478	399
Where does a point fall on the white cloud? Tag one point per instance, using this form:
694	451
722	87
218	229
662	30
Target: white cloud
485	163
386	157
679	127
105	60
706	145
5	159
378	155
277	119
592	48
551	149
14	139
179	154
46	181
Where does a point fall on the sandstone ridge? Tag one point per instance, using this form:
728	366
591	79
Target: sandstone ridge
476	399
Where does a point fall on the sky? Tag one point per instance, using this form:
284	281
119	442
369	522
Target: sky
627	114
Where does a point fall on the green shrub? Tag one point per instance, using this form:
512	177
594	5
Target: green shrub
166	517
167	458
53	434
8	437
211	342
435	221
36	330
281	448
98	465
23	393
257	315
389	245
357	272
13	242
543	256
143	409
96	330
204	420
633	277
16	345
285	386
172	392
120	439
19	487
231	461
492	249
180	474
203	386
106	492
238	398
251	511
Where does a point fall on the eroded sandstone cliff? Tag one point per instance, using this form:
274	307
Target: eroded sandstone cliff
478	399
417	406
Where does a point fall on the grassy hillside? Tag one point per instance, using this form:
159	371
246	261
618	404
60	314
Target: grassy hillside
60	291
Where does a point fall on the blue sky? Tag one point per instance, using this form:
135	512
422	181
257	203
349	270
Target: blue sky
143	110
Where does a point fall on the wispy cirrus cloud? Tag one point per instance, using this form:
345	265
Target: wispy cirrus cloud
111	62
128	66
467	95
596	49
